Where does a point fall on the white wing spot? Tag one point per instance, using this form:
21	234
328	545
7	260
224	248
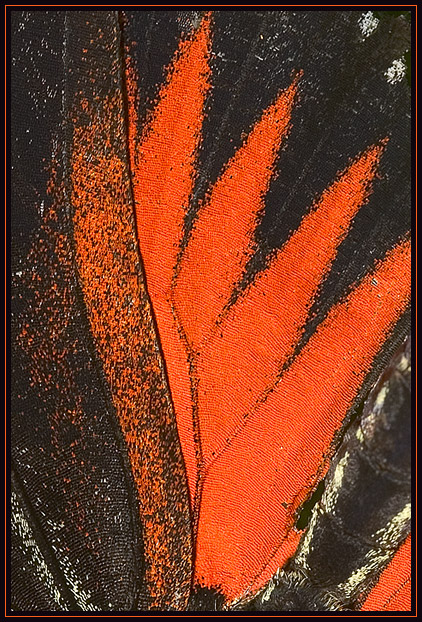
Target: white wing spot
359	435
368	23
396	72
379	402
333	490
404	364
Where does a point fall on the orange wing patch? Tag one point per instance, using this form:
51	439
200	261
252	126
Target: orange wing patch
260	331
251	493
230	213
254	443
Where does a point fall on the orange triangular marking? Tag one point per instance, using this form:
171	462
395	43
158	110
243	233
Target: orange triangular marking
262	328
220	244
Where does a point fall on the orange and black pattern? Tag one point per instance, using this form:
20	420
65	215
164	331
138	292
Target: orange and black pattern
348	538
211	267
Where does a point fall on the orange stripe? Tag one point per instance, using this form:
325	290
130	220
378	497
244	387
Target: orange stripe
122	326
165	159
164	174
393	590
221	241
262	328
251	493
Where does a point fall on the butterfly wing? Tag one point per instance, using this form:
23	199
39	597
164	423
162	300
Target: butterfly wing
197	177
